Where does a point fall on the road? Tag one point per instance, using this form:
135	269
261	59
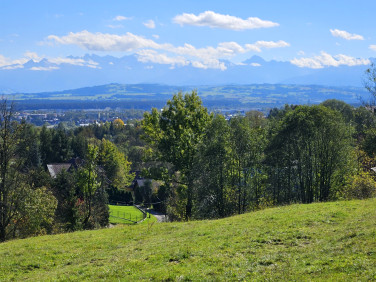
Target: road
159	216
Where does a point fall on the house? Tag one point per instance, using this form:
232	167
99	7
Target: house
55	168
139	182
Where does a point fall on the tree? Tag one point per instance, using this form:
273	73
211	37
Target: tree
346	110
60	144
306	154
215	197
370	83
11	192
248	143
176	133
88	181
45	137
115	165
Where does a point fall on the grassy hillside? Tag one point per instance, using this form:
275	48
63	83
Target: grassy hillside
326	241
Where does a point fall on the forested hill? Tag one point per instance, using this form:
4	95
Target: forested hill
322	241
145	96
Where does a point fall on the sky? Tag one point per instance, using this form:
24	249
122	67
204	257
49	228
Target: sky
312	34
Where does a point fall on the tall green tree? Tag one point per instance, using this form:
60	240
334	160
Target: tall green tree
115	164
45	146
88	181
306	154
12	193
248	143
176	133
214	196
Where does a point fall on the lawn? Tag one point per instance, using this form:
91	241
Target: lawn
124	214
323	241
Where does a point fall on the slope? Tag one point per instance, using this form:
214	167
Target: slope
324	241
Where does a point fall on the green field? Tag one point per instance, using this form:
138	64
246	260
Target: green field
324	241
124	214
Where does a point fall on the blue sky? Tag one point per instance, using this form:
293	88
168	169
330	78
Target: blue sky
314	34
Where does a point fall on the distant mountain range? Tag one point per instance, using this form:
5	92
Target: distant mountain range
90	70
219	97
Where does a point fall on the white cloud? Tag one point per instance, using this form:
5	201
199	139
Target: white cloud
6	63
346	35
206	57
255	65
266	44
121	18
301	53
156	36
214	20
327	60
50	68
152	56
149	24
372	47
105	42
74	61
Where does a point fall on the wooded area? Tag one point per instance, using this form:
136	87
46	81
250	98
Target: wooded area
204	165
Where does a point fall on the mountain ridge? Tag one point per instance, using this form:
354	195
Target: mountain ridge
74	72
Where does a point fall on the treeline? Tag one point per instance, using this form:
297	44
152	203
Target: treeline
87	166
213	168
194	164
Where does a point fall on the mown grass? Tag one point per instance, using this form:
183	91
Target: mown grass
120	214
325	241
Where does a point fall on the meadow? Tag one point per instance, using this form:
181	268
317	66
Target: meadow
320	241
124	214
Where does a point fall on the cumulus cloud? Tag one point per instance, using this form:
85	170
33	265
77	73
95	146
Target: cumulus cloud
205	57
346	35
152	56
7	63
372	47
259	45
121	18
105	42
327	60
215	20
149	24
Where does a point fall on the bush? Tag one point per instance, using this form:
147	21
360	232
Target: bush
36	214
360	186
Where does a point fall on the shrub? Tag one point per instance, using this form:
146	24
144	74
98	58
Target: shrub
360	186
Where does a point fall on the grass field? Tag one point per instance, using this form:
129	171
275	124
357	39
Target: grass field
120	214
324	241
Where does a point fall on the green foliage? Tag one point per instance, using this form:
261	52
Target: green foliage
332	241
36	214
359	186
67	212
88	182
61	150
175	134
369	143
115	165
344	109
308	147
214	193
